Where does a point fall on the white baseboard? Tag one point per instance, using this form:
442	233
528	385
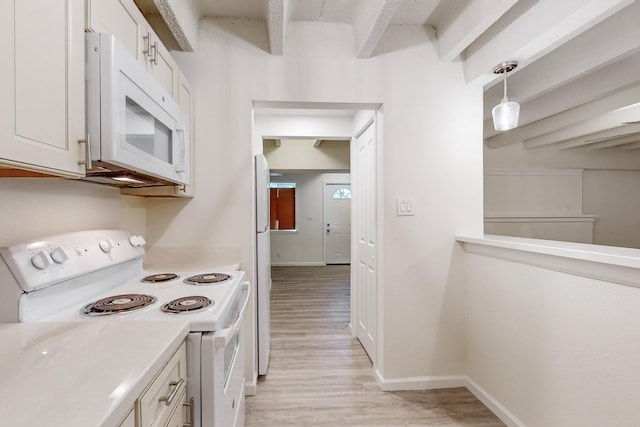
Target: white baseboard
420	383
450	381
494	406
298	264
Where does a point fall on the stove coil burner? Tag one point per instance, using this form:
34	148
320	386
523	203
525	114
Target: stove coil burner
207	279
162	277
186	304
118	304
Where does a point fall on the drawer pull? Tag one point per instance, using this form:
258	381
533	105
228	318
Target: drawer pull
192	413
168	400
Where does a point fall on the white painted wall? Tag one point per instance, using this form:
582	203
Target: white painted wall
305	246
39	207
300	154
613	196
536	203
428	155
541	192
553	348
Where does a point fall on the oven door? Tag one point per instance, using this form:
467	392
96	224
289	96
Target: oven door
222	372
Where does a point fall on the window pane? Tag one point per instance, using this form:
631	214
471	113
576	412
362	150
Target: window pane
146	133
342	193
282	185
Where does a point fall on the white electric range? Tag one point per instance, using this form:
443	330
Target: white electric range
98	275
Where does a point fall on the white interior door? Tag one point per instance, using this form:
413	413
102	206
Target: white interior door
365	204
337	219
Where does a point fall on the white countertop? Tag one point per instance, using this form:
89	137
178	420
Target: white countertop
80	373
608	263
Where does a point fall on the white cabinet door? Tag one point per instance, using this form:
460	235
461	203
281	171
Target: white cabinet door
162	66
123	19
42	85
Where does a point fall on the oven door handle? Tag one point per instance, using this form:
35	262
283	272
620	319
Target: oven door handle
224	336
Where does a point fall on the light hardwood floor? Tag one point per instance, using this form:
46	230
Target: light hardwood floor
319	375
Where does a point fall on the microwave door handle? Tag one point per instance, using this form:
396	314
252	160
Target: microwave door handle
182	151
224	336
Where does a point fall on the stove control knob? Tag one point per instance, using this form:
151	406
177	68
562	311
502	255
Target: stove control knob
59	255
106	245
137	241
40	260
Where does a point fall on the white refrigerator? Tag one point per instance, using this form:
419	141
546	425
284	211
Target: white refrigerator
263	263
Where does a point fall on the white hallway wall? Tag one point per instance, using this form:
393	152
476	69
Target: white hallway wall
427	155
613	196
300	154
306	245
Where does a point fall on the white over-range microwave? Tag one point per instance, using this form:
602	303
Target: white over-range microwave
137	134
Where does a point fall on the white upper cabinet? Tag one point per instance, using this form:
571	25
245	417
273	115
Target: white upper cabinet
42	86
162	66
123	19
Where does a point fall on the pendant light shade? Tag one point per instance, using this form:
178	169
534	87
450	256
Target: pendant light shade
505	115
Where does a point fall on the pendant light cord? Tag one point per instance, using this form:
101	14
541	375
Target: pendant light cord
504	98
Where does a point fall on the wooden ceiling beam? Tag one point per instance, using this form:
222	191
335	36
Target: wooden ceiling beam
598	137
370	21
277	19
468	25
532	29
613	119
570	116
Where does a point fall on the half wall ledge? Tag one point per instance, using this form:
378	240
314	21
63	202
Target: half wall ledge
606	263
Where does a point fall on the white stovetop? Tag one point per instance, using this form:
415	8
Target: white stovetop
210	318
68	374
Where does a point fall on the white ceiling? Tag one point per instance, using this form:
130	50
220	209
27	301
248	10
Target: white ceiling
579	61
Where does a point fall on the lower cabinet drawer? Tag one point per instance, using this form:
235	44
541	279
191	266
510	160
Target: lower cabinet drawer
178	416
130	421
158	402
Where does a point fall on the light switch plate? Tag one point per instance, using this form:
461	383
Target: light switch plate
404	206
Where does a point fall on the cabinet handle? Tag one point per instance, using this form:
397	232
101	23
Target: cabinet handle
192	413
154	49
147	44
168	400
87	152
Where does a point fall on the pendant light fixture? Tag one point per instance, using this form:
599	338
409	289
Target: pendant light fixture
505	114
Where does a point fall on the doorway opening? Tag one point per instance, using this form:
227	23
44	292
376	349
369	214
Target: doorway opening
280	132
